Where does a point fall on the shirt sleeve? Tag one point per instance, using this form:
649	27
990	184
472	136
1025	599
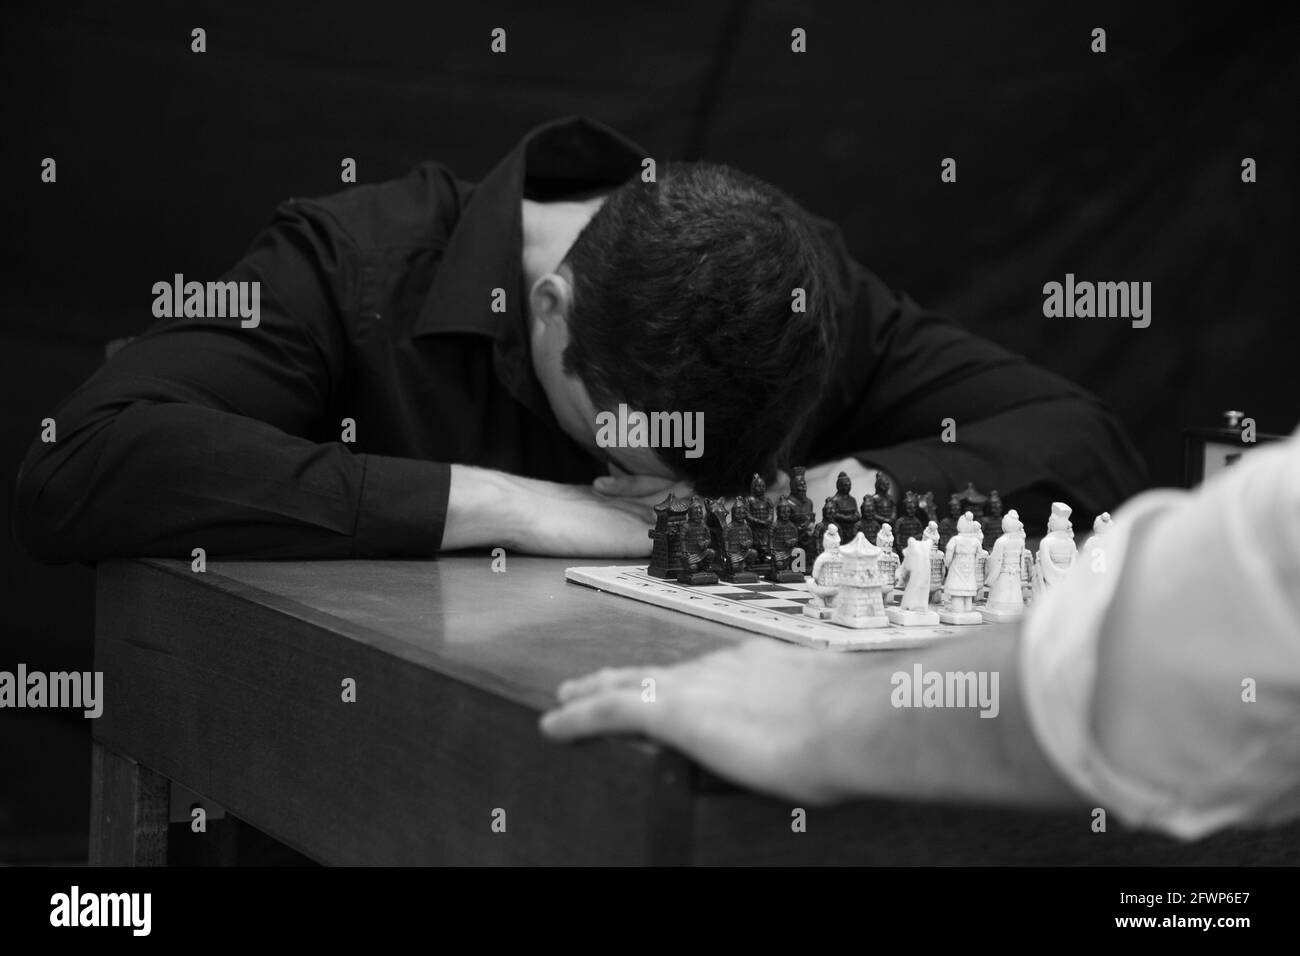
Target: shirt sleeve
1162	677
202	433
903	370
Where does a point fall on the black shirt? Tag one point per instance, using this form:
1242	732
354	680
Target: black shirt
376	306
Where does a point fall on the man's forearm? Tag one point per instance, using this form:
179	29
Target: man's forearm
873	748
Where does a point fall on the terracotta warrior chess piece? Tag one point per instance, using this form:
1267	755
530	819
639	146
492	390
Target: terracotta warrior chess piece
845	510
914	608
948	525
1005	566
738	554
695	547
761	513
888	563
883	500
909	523
665	560
825	583
931	535
960	585
1095	540
785	538
868	523
858	603
1057	552
819	529
802	513
992	521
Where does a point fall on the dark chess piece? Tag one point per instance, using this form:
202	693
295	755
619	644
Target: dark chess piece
819	529
738	554
974	502
909	523
948	525
694	546
803	514
883	500
785	538
992	522
845	508
716	519
664	559
760	521
869	524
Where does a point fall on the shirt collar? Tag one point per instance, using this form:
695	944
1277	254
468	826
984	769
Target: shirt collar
485	249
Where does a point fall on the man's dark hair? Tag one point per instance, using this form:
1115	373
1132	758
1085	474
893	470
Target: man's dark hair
683	302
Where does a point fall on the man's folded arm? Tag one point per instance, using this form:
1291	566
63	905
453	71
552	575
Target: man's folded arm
935	407
204	434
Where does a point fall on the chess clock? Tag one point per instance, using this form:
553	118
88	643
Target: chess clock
1207	451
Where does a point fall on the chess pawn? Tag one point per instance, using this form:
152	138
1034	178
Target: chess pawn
888	562
738	554
960	584
883	500
909	525
1099	529
802	512
845	509
760	521
869	524
694	543
914	576
1005	565
1056	552
825	583
785	538
858	603
948	526
992	522
931	535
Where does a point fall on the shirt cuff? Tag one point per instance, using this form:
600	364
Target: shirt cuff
403	507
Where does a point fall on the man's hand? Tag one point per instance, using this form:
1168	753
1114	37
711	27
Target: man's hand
756	714
543	517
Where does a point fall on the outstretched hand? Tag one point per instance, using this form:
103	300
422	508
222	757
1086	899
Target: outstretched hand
757	714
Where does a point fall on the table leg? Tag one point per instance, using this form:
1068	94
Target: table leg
129	810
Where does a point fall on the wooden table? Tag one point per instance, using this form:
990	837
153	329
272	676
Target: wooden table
230	683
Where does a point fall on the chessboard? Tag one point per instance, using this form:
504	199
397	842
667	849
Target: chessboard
775	610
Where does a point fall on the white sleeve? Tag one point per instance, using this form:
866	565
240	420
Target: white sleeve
1137	671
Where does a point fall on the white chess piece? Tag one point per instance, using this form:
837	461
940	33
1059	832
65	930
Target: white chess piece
825	583
1006	601
961	583
1057	552
914	577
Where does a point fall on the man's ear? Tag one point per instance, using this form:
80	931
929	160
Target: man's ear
550	301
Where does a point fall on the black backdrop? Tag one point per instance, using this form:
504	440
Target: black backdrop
1116	166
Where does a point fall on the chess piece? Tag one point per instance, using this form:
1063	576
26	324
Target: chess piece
1056	552
1027	576
948	526
992	522
883	500
973	502
1099	529
760	521
868	523
909	525
738	554
931	535
664	556
845	510
802	512
825	583
819	529
888	562
960	584
694	544
785	538
914	576
1005	566
858	603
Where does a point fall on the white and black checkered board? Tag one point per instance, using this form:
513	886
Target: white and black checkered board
775	610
